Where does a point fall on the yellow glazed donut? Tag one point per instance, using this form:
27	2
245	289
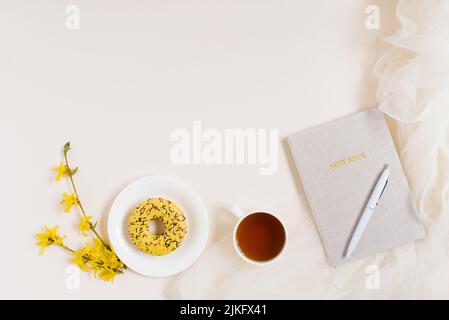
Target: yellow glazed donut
169	214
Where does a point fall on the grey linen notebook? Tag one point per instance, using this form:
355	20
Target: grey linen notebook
339	164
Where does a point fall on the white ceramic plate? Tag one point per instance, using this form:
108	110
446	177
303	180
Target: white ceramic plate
197	226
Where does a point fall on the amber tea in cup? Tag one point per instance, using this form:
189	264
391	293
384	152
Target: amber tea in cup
260	236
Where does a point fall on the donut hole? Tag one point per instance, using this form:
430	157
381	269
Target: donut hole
157	227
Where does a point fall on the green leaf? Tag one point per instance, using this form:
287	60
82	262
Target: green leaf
66	147
73	171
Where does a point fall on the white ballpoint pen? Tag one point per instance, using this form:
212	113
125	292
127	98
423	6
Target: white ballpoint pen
369	210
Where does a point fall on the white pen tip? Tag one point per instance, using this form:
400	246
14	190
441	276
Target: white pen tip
349	251
387	167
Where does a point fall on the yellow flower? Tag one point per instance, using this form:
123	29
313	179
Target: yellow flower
48	238
69	201
62	171
85	224
82	257
107	274
103	262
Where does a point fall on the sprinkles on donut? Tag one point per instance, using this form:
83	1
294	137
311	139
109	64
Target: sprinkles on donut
169	214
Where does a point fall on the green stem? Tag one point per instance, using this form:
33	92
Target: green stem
98	236
72	181
66	248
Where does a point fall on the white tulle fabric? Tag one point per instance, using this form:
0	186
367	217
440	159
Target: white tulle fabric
414	93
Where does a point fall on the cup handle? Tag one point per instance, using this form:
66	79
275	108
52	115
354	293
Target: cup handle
235	209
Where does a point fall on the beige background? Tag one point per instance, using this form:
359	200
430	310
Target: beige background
134	72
